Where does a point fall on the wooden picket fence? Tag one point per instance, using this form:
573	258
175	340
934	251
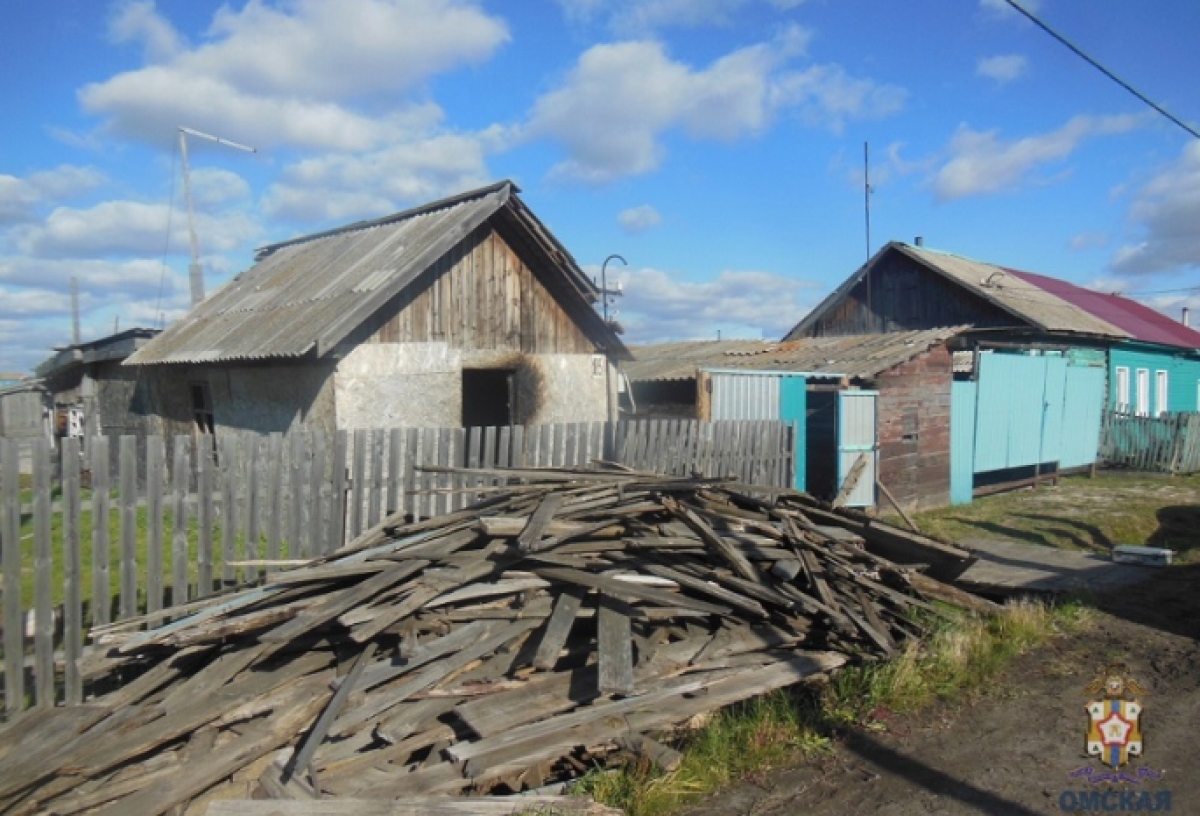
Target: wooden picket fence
188	516
1164	444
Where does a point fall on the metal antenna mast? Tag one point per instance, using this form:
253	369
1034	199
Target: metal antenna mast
195	271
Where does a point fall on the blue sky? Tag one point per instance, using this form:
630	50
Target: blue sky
717	145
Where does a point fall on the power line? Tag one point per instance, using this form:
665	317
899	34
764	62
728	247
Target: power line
1165	291
1102	69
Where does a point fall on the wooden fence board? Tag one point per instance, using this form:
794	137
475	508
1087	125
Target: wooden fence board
275	475
358	482
180	467
10	545
318	497
298	445
337	498
253	528
229	507
395	489
127	479
155	465
72	573
101	590
204	516
43	625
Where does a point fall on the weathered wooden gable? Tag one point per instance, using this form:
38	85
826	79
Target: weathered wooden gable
480	295
900	294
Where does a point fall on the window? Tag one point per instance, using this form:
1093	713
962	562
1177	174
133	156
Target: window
1161	393
1122	400
1143	392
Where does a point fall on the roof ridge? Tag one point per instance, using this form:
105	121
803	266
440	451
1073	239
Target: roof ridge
440	204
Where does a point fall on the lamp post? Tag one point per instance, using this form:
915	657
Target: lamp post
604	293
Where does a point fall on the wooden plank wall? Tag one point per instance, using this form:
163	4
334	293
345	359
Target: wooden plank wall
229	512
1165	444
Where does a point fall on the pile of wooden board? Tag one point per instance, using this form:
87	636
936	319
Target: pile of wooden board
564	622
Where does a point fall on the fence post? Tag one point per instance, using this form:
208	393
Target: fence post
101	586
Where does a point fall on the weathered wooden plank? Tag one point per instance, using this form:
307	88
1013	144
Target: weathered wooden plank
101	589
10	552
276	471
621	588
615	645
227	473
205	448
43	632
375	494
317	501
253	535
558	627
412	449
531	535
180	467
358	481
395	472
725	549
298	479
304	752
155	479
72	573
337	503
127	474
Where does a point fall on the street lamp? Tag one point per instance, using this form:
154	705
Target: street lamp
604	293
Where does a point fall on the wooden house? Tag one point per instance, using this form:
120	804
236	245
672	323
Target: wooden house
462	312
885	397
91	393
1035	365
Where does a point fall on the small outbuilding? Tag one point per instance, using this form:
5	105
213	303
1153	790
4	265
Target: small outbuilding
884	398
463	312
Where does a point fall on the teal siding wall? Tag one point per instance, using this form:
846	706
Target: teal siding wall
962	442
1183	375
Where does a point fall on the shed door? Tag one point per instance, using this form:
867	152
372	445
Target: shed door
856	437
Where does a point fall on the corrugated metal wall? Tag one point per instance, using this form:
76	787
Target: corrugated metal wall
758	395
744	396
857	436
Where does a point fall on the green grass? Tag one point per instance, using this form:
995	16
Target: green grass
1082	513
746	741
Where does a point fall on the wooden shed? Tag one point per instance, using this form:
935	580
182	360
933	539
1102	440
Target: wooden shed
883	395
463	312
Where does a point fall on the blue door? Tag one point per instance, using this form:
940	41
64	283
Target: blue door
793	408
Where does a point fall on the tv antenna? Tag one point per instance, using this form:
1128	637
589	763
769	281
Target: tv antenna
195	271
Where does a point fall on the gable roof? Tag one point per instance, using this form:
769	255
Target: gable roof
305	295
1024	299
856	356
1137	319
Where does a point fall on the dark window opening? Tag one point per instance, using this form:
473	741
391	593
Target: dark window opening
202	411
488	397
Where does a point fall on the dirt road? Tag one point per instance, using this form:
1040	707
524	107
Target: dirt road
1012	750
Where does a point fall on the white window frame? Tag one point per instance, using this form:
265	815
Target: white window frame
1122	390
1162	392
1143	392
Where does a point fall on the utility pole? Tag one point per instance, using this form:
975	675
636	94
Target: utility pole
74	310
605	293
195	271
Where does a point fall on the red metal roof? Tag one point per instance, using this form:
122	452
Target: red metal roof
1142	322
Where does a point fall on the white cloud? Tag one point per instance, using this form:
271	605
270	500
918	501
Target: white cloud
617	102
20	197
292	74
129	228
660	306
97	278
1088	240
981	162
138	21
339	187
636	220
641	16
1166	210
213	185
1004	68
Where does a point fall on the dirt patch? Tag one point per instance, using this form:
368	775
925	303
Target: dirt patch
1011	750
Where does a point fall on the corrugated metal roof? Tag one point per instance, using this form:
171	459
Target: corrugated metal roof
1008	290
306	295
1140	321
856	356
